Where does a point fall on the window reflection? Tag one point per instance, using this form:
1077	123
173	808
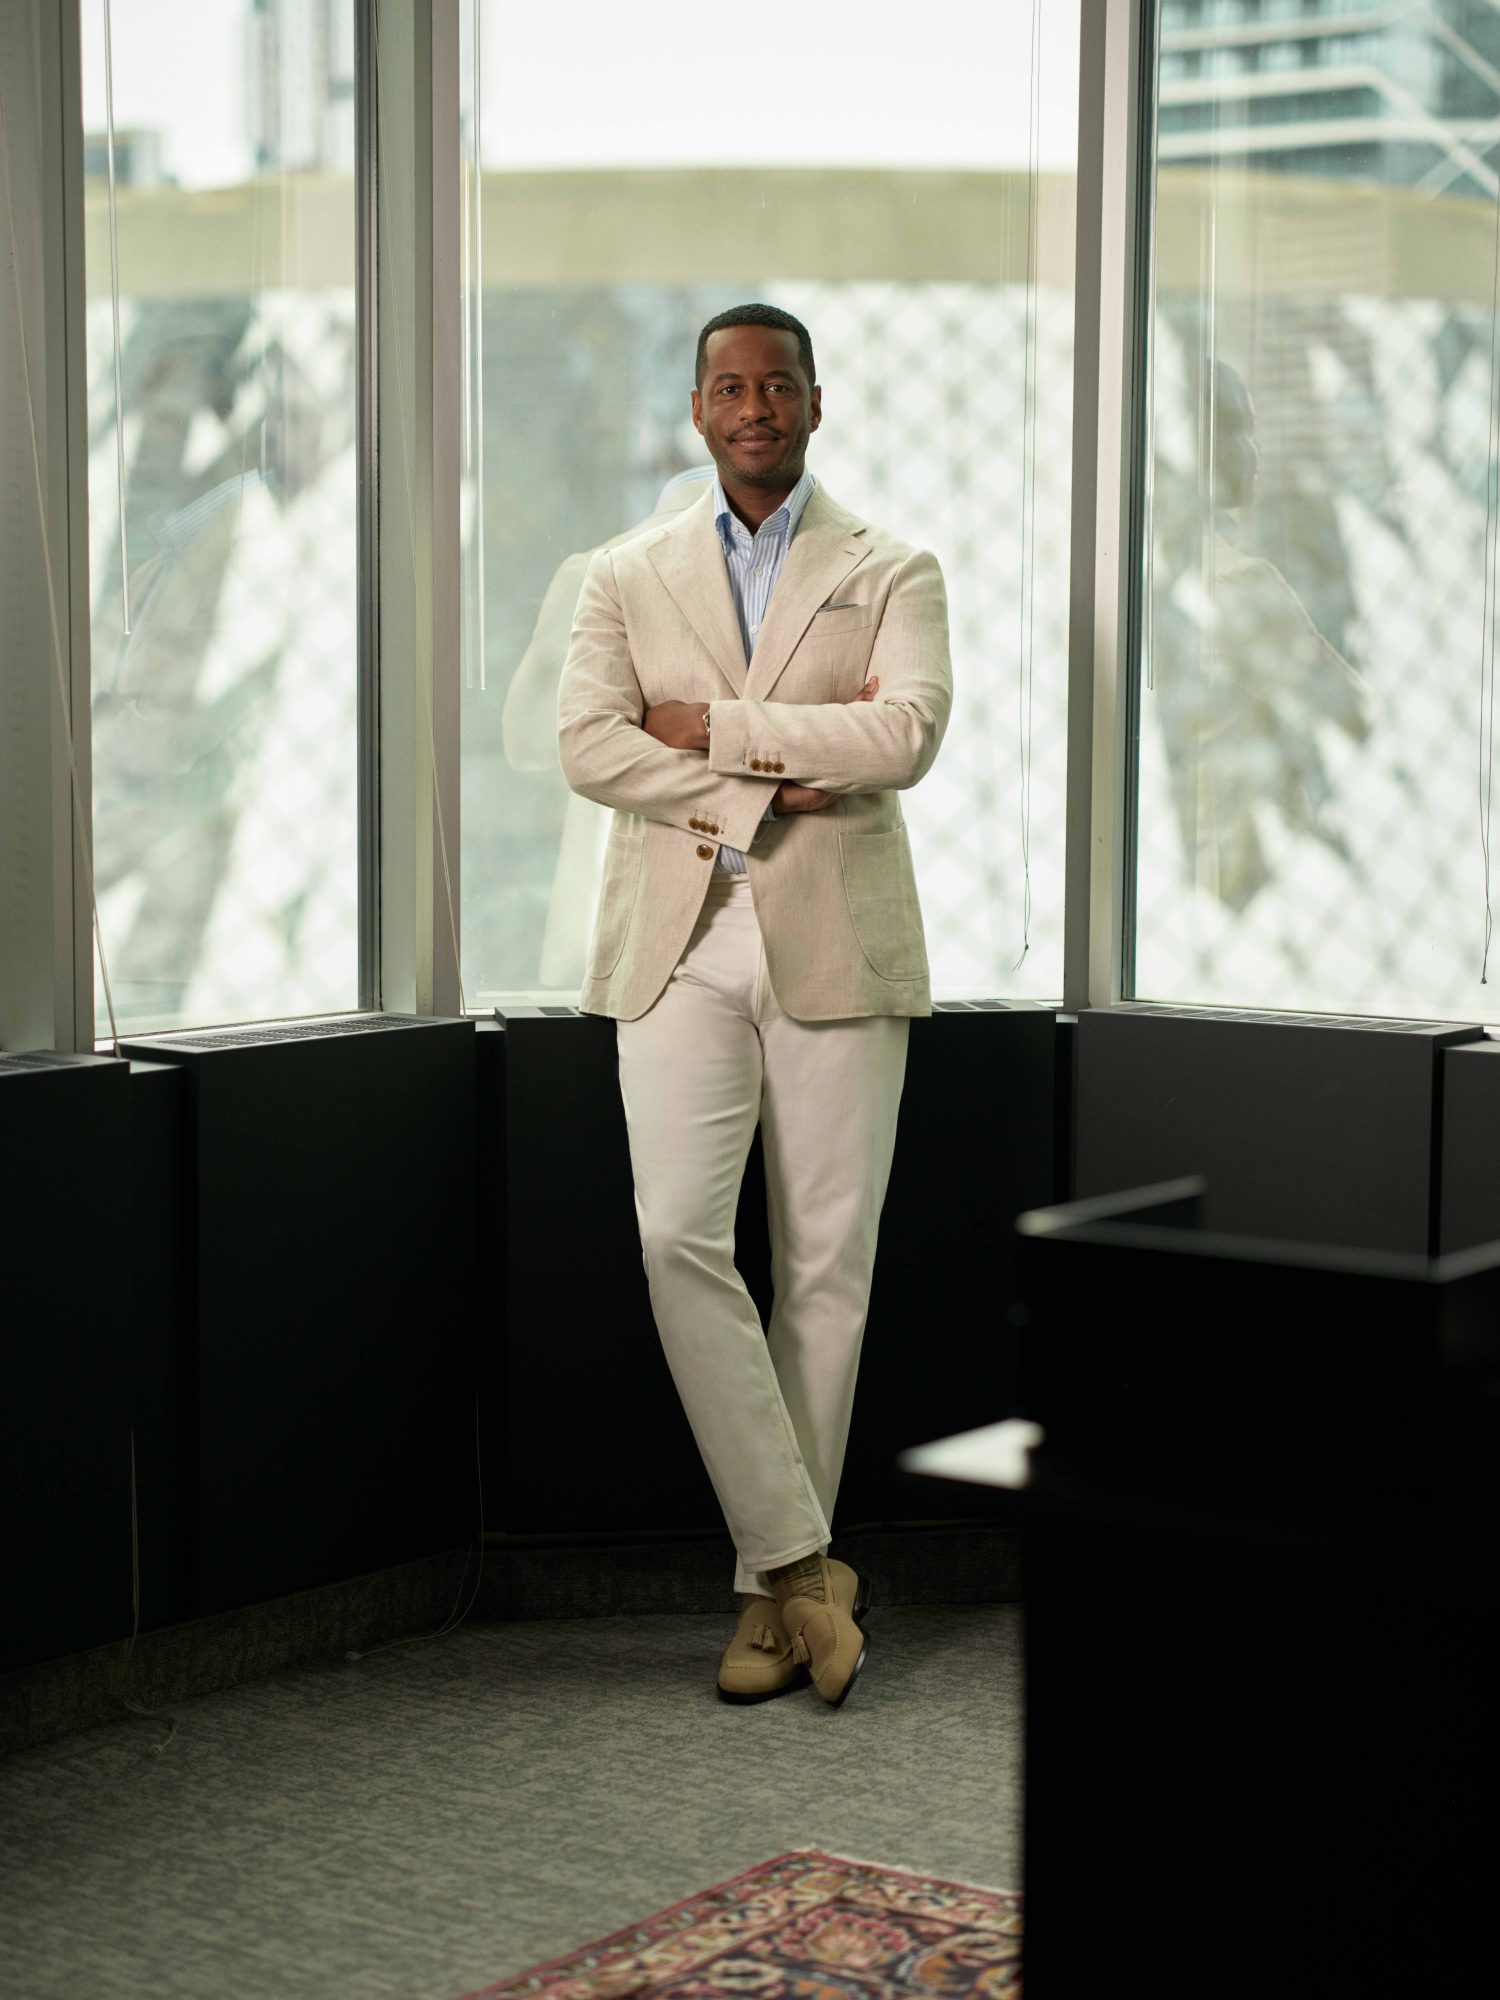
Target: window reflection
530	726
224	606
1324	430
1245	681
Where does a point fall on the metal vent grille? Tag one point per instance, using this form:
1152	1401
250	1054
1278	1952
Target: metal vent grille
1366	1023
995	1006
291	1031
530	1012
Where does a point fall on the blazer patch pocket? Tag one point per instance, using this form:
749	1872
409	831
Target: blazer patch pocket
883	907
622	877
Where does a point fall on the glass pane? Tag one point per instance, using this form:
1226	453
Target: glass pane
223	569
1315	720
919	219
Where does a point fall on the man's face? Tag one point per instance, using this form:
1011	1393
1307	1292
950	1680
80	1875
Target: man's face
756	409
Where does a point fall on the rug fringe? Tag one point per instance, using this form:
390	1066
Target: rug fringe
894	1868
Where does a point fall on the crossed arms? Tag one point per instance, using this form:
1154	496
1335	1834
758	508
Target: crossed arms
611	752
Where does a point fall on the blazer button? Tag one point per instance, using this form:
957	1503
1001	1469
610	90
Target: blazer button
696	825
778	765
710	829
705	853
755	764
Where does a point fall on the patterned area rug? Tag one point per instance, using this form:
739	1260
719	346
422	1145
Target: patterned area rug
806	1926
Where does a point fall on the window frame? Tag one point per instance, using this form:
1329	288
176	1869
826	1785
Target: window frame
416	671
1111	389
47	965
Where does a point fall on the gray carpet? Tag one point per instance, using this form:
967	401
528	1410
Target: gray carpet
447	1813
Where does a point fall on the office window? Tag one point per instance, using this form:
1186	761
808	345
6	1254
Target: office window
1318	604
896	190
221	345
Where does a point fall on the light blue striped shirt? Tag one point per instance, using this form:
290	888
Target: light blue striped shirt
754	563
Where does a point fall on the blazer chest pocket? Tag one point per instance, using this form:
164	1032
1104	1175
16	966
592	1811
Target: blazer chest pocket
831	660
834	620
622	875
883	907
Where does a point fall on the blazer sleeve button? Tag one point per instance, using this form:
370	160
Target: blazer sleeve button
755	763
696	825
705	853
778	765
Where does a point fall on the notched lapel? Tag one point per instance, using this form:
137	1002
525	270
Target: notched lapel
690	562
827	546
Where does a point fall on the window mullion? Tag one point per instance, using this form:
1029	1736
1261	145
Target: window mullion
1108	379
420	432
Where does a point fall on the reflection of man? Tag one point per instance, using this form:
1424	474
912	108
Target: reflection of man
750	688
530	730
1246	678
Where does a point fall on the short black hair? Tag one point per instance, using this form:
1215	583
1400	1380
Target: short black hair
757	316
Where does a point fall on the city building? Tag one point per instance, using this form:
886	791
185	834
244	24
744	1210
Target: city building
1334	87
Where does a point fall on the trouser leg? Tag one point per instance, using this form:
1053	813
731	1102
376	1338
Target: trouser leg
690	1076
830	1096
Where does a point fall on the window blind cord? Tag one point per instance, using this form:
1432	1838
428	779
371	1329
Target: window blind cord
1026	679
455	1617
1487	631
472	363
135	1707
466	372
1148	496
83	831
114	303
478	347
424	647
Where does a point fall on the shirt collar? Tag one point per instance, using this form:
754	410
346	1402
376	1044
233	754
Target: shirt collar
784	521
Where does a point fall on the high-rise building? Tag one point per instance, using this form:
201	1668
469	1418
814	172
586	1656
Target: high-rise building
299	84
138	157
1396	94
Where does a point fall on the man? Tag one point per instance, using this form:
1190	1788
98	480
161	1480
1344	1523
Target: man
749	688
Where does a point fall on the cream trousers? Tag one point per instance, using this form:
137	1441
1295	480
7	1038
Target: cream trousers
714	1057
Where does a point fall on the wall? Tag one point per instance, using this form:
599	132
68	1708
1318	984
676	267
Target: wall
292	1266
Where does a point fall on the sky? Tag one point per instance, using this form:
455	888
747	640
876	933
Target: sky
594	83
925	83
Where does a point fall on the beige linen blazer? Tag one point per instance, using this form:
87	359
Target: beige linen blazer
834	891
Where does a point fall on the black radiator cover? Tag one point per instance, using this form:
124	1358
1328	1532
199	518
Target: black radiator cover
161	1347
328	1384
65	1309
1308	1129
1471	1146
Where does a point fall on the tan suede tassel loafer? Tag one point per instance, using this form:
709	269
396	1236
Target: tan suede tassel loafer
822	1603
758	1662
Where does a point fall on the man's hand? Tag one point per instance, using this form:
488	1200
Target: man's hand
799	799
789	798
678	724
